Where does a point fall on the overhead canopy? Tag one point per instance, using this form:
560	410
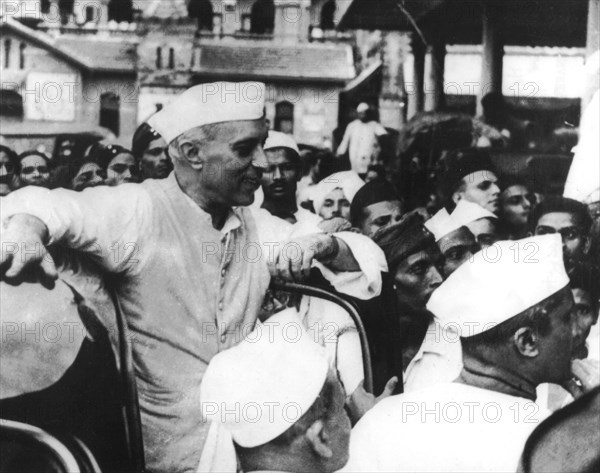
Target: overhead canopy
524	22
386	15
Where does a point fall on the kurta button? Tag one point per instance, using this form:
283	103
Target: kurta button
223	272
220	306
223	338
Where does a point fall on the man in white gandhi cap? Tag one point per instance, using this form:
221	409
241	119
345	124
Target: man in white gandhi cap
513	309
277	402
190	263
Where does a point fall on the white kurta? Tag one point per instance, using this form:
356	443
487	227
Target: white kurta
188	290
439	359
446	428
360	140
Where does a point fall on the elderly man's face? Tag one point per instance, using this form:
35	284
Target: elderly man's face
155	164
456	248
485	231
88	175
233	162
480	187
575	242
380	215
416	277
279	180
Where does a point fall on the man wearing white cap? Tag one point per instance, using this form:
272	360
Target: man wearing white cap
455	241
482	223
278	401
187	259
361	140
514	310
280	179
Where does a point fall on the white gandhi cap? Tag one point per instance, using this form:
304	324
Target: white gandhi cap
206	104
467	212
260	388
276	139
441	224
499	283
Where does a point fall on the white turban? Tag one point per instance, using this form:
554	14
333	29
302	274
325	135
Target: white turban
348	181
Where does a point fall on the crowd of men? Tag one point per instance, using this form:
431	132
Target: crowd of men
481	315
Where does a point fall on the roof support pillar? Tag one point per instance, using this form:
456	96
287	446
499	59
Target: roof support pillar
416	97
493	51
434	89
592	46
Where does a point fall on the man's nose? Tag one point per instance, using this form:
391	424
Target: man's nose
259	160
3	171
277	173
495	189
435	278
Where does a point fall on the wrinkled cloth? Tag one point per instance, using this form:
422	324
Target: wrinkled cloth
188	291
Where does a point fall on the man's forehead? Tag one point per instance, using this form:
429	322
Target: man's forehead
242	130
280	155
384	207
557	220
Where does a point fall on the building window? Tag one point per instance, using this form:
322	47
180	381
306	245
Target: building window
45	6
284	117
202	11
171	58
90	14
262	17
159	58
11	104
246	22
120	10
65	8
22	47
109	112
7	44
328	15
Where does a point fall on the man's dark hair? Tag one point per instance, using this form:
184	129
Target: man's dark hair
12	156
143	136
371	193
510	180
454	165
568	439
562	204
586	279
537	317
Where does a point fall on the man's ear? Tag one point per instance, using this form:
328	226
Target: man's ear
527	342
318	439
191	152
456	197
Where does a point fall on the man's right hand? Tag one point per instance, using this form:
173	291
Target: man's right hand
24	256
